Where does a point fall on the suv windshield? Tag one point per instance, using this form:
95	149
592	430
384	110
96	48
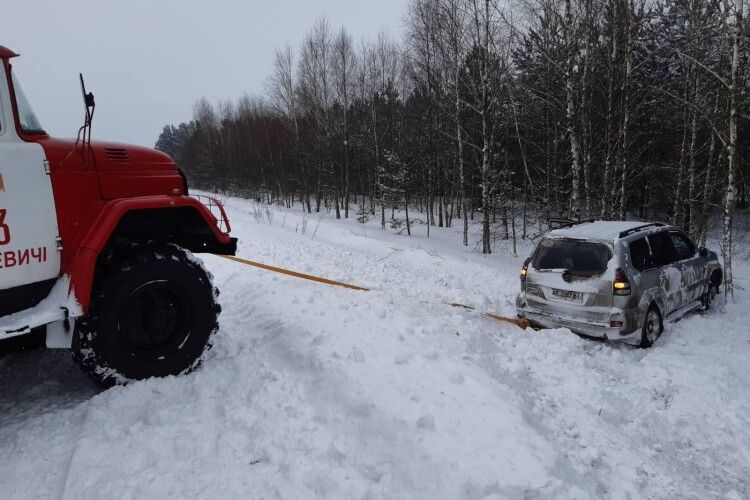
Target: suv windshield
26	117
578	257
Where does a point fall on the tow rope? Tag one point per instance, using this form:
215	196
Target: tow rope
303	276
520	322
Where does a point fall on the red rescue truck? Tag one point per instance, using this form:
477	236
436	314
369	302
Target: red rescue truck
95	247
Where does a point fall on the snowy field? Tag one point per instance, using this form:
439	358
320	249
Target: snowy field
320	392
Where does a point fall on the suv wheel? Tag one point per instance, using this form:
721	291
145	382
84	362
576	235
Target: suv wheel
153	313
653	326
712	291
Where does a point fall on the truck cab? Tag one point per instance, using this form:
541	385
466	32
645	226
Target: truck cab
30	260
74	213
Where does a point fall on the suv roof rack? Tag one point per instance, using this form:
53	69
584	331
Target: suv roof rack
562	222
640	228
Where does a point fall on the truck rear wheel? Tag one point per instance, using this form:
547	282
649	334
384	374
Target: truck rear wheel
153	313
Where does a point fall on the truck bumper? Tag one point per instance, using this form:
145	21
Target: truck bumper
229	248
208	243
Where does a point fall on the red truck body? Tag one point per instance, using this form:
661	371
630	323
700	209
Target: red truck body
96	184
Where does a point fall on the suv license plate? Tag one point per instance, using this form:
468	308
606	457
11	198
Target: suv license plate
567	295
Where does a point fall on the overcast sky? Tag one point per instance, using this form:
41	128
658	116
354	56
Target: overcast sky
147	61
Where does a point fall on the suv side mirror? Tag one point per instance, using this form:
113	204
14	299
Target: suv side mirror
703	252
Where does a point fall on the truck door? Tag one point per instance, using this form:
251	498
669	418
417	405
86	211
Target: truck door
28	221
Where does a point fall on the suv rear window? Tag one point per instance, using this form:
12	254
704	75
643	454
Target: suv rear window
578	257
640	254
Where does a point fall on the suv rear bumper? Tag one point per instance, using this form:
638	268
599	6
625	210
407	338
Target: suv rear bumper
626	333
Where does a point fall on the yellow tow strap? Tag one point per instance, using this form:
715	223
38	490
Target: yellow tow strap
303	276
520	322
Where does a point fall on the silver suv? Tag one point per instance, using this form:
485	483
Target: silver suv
616	280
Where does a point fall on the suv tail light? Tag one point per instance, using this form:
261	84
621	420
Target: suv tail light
525	270
621	285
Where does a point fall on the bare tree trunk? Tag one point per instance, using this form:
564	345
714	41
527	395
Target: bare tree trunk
585	112
692	213
624	134
524	161
461	167
455	33
712	176
406	207
513	218
678	200
484	113
708	183
608	174
729	200
575	202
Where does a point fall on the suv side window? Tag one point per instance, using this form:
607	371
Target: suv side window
640	254
662	248
683	246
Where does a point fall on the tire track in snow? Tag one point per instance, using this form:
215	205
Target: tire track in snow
299	351
327	390
71	461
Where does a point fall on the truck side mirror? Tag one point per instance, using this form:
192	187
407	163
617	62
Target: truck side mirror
703	252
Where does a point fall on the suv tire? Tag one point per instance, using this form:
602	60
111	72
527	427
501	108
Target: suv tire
153	313
712	291
653	326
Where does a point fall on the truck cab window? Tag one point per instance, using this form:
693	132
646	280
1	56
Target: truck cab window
26	117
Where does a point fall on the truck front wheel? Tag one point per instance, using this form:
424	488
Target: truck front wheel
153	313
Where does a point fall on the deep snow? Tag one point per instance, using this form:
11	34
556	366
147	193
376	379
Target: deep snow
314	391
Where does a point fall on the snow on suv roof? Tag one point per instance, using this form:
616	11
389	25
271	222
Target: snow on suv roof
605	230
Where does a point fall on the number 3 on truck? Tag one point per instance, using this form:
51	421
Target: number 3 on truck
4	229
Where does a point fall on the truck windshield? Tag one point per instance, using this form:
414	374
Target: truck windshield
577	257
26	117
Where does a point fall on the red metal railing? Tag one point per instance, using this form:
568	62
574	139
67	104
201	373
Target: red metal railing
217	210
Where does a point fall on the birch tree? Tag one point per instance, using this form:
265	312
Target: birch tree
735	87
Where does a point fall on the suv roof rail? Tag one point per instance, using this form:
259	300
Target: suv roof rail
640	228
563	222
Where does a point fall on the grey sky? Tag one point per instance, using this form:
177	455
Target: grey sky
147	61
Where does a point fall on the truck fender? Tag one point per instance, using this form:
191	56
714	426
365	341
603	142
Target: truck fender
84	255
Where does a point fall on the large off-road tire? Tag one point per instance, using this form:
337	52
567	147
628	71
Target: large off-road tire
653	327
153	313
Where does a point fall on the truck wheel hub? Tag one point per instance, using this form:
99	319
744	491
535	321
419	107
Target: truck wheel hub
154	316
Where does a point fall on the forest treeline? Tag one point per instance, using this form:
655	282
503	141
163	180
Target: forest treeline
497	111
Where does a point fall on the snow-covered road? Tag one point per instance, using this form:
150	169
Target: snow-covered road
313	391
